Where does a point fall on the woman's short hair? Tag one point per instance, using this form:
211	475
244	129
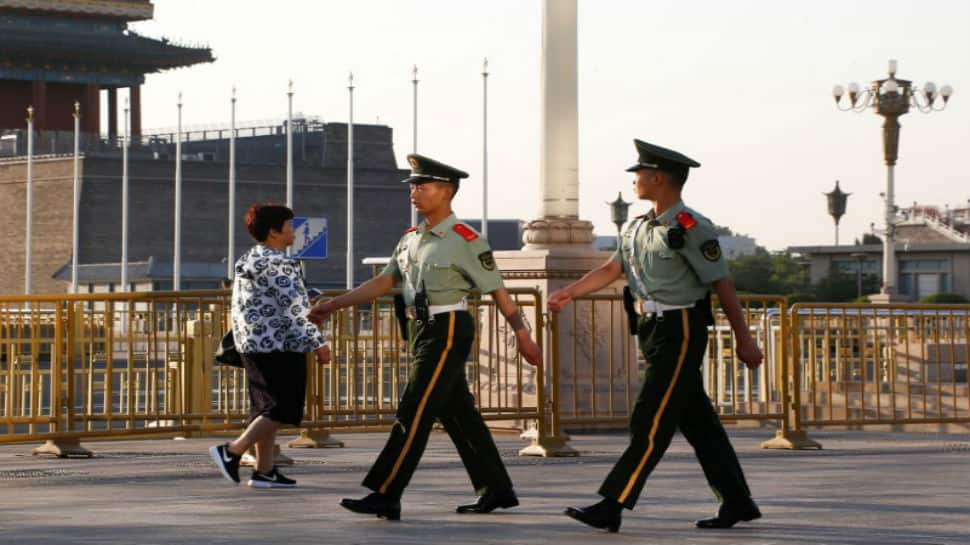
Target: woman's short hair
261	217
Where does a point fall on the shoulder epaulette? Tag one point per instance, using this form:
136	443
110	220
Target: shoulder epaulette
411	229
465	231
686	220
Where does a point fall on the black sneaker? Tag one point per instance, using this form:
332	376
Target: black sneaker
227	462
273	479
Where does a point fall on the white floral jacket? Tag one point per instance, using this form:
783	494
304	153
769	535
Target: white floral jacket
270	305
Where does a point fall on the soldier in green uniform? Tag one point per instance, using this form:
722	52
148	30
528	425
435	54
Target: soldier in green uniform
672	260
438	263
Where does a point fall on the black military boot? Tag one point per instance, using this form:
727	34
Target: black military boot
490	501
730	514
605	515
378	504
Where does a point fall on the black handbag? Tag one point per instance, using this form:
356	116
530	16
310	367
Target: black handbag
226	353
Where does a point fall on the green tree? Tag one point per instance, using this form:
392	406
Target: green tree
939	298
765	273
840	287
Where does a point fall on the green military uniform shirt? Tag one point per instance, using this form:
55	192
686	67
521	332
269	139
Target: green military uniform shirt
447	261
671	276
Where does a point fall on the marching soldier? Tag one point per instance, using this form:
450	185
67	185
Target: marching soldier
671	259
438	263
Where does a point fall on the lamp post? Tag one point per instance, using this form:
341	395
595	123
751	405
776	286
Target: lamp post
860	259
30	199
891	97
837	199
619	211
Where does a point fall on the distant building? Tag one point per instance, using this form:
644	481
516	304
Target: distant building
604	243
735	246
932	252
54	53
503	234
382	208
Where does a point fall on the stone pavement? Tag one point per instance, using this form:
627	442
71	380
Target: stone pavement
863	488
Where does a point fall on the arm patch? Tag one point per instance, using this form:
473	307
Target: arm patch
711	250
487	260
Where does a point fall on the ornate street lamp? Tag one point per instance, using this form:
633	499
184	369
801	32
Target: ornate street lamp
891	97
618	214
837	199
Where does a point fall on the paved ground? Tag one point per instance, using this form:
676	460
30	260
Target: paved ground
864	487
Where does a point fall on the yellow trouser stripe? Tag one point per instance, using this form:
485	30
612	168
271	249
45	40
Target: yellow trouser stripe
660	410
424	401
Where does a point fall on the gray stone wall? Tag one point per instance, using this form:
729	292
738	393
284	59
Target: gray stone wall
381	202
53	197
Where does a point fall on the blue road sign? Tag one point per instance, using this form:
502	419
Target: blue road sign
310	241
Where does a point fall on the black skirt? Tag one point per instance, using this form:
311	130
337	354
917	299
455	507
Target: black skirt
277	386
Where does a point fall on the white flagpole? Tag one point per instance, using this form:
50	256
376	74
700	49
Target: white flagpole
124	203
177	253
414	80
30	198
485	149
289	147
350	187
77	195
231	254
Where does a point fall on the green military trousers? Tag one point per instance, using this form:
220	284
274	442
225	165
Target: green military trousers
673	397
437	389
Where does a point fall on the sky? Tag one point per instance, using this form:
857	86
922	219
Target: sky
744	87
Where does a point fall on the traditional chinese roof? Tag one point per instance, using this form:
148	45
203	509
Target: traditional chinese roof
35	48
128	10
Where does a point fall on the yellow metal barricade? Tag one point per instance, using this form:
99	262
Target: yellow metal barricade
600	366
124	365
887	364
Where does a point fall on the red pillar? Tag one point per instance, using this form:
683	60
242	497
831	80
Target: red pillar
39	102
135	104
91	110
112	114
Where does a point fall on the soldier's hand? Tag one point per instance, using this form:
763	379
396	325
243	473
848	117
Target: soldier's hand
323	354
320	313
528	348
559	299
749	353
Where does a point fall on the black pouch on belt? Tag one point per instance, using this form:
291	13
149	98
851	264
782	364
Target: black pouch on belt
631	312
421	303
401	313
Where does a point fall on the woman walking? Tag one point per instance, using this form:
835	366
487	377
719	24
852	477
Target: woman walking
273	336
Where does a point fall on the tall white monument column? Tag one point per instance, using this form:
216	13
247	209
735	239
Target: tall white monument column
558	221
558	249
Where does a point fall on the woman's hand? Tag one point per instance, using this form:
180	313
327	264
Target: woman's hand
323	354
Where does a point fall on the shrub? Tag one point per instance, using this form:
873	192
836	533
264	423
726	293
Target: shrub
944	298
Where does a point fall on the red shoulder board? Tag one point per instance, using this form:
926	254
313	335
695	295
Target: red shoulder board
465	232
411	229
686	220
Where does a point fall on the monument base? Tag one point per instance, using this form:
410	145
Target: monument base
64	448
315	439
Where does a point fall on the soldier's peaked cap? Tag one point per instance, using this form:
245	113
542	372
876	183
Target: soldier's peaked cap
425	169
651	156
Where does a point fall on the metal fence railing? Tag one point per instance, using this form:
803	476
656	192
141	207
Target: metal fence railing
117	365
76	367
887	364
